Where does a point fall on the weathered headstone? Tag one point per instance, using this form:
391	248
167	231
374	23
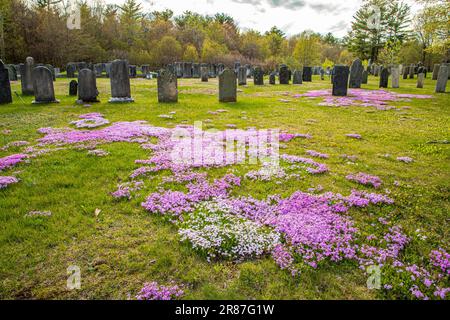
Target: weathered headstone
70	70
242	76
435	71
108	69
384	77
307	74
73	88
356	71
237	64
298	77
196	70
5	86
365	77
167	86
98	68
179	69
405	72
43	85
204	72
258	76
272	77
340	80
11	72
26	77
442	78
412	70
227	86
187	70
395	83
284	74
133	71
120	82
87	86
81	65
420	79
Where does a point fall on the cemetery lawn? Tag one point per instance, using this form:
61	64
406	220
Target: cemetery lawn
125	246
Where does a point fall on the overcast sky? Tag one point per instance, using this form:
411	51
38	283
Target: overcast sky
291	16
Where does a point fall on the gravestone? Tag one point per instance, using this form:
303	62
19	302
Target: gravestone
26	77
298	77
219	68
204	72
120	82
167	86
340	80
133	71
412	70
43	85
87	86
73	88
284	74
442	78
108	69
420	79
179	69
12	73
272	77
52	70
322	74
307	74
5	86
196	70
145	69
70	70
242	76
384	77
187	70
395	77
356	71
81	65
249	70
227	86
365	77
258	76
435	71
237	65
405	72
98	68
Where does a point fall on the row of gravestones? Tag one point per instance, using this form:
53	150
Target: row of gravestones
100	69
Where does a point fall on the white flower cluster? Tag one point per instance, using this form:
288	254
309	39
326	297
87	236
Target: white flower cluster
224	235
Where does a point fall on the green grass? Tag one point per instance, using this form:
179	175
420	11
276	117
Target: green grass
125	246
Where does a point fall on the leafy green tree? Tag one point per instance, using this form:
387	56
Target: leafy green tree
190	53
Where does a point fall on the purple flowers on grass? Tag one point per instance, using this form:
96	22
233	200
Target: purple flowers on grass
11	161
90	120
365	179
154	291
7	180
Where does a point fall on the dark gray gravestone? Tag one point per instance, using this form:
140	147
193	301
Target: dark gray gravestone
196	70
395	72
204	72
187	70
384	77
298	77
43	85
405	72
108	69
284	74
442	78
219	68
70	70
179	69
87	86
167	86
272	77
227	86
340	80
73	88
133	71
356	71
435	71
26	77
11	72
307	74
249	70
242	76
420	79
258	76
120	82
81	65
412	70
365	77
98	68
237	65
5	86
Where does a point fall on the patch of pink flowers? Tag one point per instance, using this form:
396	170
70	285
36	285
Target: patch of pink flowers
316	154
90	120
354	136
313	166
154	291
11	161
365	179
441	259
5	181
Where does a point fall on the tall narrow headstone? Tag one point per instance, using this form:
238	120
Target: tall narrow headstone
356	71
242	76
412	70
435	71
340	80
133	71
120	82
167	86
108	69
258	76
87	86
26	77
395	70
187	70
98	68
73	88
227	86
196	70
307	74
384	77
298	77
420	79
70	70
5	86
204	72
442	78
405	72
272	77
365	77
284	74
43	85
11	72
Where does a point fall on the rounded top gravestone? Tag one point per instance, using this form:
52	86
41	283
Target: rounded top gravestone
73	88
340	80
227	86
284	74
26	76
87	86
167	86
5	86
356	71
43	85
120	82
